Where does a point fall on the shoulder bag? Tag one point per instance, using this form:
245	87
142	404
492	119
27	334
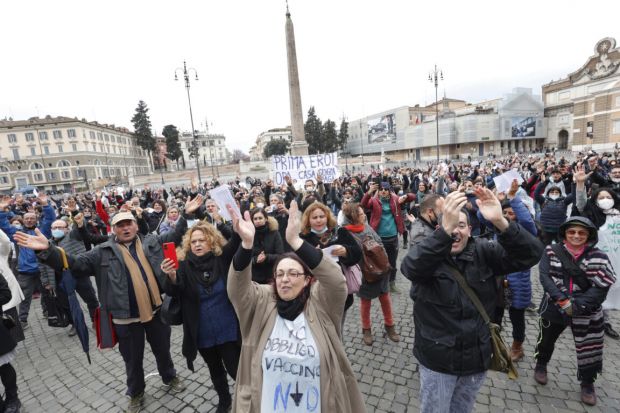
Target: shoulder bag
500	360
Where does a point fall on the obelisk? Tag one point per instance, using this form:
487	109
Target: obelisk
299	146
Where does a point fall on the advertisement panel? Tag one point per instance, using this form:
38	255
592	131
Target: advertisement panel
382	129
523	127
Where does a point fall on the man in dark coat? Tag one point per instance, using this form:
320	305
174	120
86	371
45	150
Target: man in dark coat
452	341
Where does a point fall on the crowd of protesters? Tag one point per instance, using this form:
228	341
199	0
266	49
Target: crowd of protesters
264	292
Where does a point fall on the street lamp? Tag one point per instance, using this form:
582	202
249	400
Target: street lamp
186	72
434	77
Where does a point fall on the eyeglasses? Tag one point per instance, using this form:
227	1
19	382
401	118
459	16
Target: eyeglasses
289	274
59	227
385	189
577	232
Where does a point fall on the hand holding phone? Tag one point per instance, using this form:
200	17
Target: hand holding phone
170	253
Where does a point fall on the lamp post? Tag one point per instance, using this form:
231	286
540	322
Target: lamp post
186	72
434	77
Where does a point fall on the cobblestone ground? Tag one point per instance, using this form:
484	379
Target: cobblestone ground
54	376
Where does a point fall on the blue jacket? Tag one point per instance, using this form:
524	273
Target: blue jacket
520	283
553	212
27	261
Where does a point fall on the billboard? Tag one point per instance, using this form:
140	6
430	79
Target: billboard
523	127
382	129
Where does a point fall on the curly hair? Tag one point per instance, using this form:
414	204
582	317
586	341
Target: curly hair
215	239
305	219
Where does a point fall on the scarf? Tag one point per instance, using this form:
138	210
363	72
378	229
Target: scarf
575	251
148	296
355	228
289	310
611	211
200	269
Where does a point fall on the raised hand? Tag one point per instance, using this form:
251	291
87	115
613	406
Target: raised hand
455	201
579	174
42	198
294	227
243	227
36	242
79	220
490	208
5	201
167	267
194	204
514	187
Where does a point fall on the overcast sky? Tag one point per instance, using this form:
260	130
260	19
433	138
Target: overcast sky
97	59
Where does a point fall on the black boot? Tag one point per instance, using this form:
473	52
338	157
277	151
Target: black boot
223	393
12	405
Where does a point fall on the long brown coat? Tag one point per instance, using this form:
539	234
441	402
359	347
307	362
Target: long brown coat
256	308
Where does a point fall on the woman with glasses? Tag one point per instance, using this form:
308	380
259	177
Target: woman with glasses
576	277
210	326
292	358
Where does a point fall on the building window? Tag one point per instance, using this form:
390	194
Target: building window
92	134
57	134
60	149
42	136
36	165
106	137
71	133
99	136
80	173
15	154
616	126
74	147
65	175
51	176
114	149
94	147
32	151
4	180
12	138
102	148
38	177
46	150
29	137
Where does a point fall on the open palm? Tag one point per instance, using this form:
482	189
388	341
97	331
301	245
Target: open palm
243	226
489	205
36	242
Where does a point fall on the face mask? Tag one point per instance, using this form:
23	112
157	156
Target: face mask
615	180
319	232
469	191
605	203
309	188
260	205
58	233
554	196
18	227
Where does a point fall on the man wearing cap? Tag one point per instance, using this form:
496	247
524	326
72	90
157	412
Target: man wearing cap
387	220
129	284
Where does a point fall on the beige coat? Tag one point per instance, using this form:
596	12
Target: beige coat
256	308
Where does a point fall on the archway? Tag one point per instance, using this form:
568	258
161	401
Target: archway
563	139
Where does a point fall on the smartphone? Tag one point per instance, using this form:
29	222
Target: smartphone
170	252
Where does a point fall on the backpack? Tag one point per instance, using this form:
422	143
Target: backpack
374	264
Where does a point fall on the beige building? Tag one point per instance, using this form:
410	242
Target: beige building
256	151
54	153
211	149
583	109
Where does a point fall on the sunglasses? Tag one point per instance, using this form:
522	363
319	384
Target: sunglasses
579	232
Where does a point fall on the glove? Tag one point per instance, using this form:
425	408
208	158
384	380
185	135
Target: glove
566	306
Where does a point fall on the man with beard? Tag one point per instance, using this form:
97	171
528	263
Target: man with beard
27	265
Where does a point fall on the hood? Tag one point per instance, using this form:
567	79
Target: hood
582	221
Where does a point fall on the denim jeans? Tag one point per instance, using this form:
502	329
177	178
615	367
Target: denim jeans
447	393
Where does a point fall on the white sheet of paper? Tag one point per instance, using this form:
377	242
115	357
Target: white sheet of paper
328	252
222	197
504	181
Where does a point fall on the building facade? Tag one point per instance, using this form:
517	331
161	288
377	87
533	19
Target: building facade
211	149
61	153
583	109
256	151
500	126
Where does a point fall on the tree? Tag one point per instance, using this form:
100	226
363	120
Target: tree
239	155
142	128
278	146
343	135
312	130
329	137
173	147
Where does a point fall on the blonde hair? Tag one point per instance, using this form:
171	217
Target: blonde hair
214	237
305	219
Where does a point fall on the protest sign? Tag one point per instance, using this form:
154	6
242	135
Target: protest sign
504	181
302	168
609	242
222	197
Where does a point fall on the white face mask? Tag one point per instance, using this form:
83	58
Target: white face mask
615	180
260	205
554	196
605	203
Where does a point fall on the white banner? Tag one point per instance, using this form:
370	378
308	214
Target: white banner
302	168
609	242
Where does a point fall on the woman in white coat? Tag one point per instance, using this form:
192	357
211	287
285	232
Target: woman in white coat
17	295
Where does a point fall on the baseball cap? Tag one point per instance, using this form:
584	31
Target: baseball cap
122	216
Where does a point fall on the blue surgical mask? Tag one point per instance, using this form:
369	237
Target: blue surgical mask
18	227
319	232
58	233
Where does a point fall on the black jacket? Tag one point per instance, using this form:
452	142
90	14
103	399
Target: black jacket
269	242
6	341
342	237
450	335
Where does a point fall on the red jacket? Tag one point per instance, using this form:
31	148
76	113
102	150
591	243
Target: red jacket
374	204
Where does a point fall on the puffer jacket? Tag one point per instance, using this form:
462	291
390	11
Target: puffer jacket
374	204
450	334
105	262
553	211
